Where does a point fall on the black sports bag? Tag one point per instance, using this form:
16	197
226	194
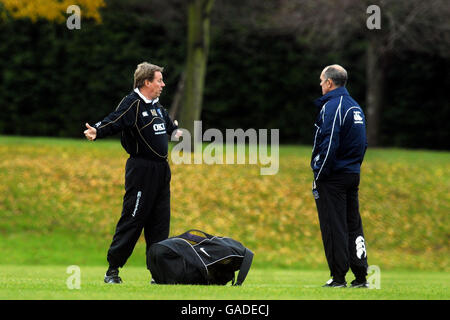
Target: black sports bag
196	257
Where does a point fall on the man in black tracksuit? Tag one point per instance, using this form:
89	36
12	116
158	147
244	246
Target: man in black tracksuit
339	147
145	126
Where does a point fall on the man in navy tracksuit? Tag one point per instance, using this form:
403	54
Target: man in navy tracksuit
145	126
339	147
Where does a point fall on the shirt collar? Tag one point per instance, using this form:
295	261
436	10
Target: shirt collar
341	91
144	98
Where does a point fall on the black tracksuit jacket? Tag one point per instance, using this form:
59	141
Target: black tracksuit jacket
145	127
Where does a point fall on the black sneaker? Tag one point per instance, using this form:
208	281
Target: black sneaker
334	284
359	284
112	276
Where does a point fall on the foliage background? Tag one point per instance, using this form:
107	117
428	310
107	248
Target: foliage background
60	198
53	80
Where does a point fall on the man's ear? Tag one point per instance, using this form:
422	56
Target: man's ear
330	83
147	82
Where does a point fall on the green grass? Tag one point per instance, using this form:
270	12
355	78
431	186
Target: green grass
49	282
60	200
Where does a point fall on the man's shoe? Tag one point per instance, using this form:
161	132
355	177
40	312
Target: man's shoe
334	284
112	276
359	284
153	281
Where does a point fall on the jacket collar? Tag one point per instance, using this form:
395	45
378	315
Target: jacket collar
144	98
341	91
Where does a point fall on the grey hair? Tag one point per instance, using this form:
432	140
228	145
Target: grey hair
145	71
337	74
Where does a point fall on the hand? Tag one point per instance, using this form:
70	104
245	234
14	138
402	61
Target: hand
178	133
90	132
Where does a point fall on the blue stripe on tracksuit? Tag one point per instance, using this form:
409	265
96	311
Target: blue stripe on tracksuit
340	139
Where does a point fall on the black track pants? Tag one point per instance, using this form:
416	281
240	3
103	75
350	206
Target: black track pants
341	225
146	205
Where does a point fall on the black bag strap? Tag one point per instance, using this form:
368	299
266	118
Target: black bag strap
245	267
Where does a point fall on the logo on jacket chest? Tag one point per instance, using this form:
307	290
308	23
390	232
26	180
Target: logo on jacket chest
159	128
151	120
154	113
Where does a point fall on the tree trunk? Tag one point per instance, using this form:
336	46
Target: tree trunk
176	106
197	56
375	89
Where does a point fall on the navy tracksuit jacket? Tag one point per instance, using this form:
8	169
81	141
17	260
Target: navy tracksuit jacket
339	147
340	141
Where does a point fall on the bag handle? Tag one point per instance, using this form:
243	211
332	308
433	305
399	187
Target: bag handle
192	237
245	267
207	235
